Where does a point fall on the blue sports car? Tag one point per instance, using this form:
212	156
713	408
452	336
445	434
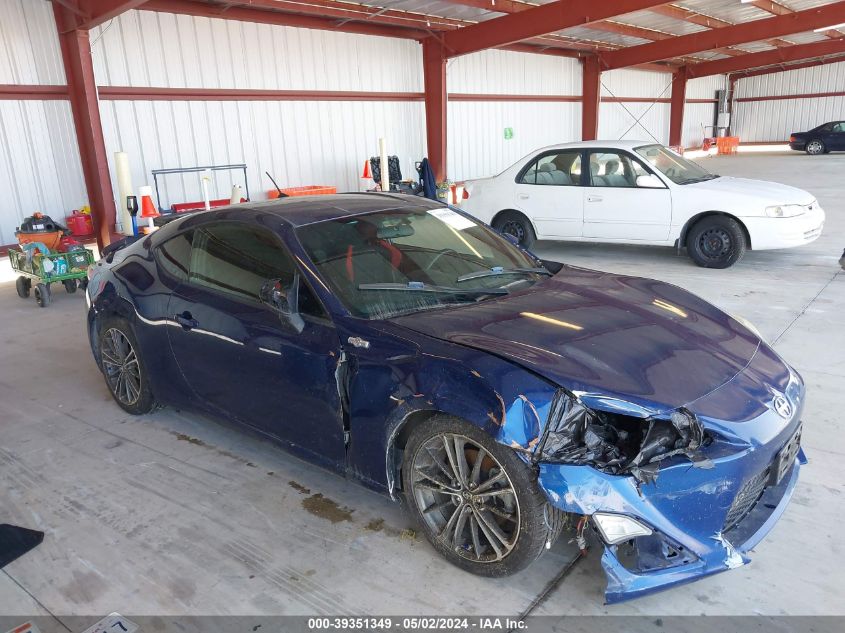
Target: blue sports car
404	344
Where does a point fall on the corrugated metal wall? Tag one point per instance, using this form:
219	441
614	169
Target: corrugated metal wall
305	142
39	158
774	120
698	117
477	144
631	120
299	143
29	45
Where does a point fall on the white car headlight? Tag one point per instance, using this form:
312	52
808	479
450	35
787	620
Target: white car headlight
785	211
616	528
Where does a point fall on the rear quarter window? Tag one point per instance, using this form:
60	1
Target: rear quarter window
174	255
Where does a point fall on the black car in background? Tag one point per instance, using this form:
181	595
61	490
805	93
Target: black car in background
829	137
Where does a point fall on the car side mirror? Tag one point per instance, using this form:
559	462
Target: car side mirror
283	301
650	181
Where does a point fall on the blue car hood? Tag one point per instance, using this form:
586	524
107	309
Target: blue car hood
639	340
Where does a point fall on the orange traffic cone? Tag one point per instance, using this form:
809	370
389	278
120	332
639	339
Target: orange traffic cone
366	182
148	209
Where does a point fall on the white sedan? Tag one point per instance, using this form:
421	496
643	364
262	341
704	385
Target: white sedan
635	192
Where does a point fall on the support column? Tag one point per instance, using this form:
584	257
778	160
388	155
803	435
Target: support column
79	71
676	113
590	97
434	81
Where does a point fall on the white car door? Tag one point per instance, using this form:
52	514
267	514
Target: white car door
548	192
615	208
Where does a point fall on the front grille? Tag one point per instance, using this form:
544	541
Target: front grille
745	499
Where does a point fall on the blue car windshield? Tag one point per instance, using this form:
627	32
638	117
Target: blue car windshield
388	263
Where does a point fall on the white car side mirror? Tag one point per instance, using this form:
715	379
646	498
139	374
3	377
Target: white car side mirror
650	181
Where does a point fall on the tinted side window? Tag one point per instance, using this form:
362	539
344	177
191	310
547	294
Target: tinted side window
839	127
561	169
237	259
174	255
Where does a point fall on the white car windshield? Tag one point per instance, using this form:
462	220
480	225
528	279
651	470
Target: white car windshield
675	167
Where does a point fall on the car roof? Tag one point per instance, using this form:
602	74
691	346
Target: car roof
302	210
629	145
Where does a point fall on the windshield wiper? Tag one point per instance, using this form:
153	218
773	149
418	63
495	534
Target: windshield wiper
499	270
419	286
689	181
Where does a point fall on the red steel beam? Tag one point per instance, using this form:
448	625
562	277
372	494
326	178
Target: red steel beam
82	90
676	108
19	92
353	11
389	24
797	52
434	84
540	20
727	36
688	15
590	98
778	9
784	67
244	14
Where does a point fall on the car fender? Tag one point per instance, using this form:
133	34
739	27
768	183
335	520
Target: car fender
386	399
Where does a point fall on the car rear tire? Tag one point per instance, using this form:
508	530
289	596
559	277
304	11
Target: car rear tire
476	501
123	368
716	241
516	224
815	147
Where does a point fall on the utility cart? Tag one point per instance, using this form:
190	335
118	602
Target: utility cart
69	268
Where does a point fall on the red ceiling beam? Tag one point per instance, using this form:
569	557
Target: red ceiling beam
687	15
727	36
244	14
768	58
778	9
784	67
540	20
350	11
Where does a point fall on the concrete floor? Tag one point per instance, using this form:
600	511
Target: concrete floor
174	514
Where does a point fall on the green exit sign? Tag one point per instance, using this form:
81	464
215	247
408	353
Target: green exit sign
508	133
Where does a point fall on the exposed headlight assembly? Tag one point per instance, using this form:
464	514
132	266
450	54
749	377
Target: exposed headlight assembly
616	528
785	211
616	443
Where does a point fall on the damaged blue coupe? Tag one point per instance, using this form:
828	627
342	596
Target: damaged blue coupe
504	398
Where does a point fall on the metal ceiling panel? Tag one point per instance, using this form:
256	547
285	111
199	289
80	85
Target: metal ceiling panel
730	10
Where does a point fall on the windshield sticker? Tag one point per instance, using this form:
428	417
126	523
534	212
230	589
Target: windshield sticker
455	220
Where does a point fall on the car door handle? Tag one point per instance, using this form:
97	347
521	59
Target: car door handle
594	198
186	320
524	196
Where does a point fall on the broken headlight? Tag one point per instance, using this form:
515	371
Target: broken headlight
616	443
615	528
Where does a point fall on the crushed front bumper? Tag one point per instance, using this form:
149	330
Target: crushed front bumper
693	512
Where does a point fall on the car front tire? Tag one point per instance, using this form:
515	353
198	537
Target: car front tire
716	241
477	502
815	147
123	368
517	225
